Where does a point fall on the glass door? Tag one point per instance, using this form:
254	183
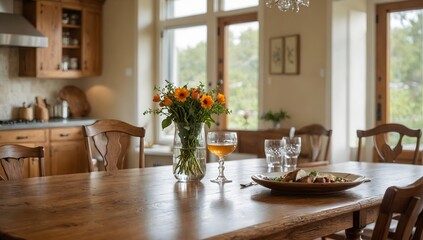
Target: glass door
238	70
399	87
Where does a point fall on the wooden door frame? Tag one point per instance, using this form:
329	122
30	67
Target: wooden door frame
383	59
222	73
382	55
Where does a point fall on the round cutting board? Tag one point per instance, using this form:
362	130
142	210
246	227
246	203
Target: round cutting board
77	100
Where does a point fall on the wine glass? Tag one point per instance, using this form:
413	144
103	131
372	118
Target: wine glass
292	151
221	144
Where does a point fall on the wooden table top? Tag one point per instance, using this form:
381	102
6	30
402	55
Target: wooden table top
149	204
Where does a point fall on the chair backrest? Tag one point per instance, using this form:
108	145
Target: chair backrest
12	158
408	203
112	139
314	135
380	138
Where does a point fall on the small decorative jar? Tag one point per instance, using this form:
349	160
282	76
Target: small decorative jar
65	18
73	63
74	19
65	38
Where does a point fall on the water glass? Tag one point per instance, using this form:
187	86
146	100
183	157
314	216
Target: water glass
292	151
274	149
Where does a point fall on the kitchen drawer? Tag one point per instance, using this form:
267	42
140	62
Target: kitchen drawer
64	134
23	136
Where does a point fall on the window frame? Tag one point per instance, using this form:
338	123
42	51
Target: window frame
210	20
222	69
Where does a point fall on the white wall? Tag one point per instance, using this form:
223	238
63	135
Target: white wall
113	94
346	68
146	66
303	95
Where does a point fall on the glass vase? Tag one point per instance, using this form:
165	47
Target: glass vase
189	152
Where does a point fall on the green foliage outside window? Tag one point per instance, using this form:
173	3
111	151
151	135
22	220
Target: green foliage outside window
242	92
406	70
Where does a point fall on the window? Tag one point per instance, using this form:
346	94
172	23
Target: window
237	4
183	8
399	62
406	68
188	47
239	70
184	58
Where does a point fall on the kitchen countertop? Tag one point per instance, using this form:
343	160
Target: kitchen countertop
52	123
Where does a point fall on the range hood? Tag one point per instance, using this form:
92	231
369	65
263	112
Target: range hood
16	31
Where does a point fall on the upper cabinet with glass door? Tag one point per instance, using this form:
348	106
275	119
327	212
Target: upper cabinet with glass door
73	28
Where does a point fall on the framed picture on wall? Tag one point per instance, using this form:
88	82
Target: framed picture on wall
276	55
291	51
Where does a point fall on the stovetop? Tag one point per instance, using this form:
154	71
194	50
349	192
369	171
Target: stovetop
13	124
18	121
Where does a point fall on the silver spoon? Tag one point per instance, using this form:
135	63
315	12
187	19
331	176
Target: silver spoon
244	185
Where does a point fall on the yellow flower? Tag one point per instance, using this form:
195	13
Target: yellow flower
206	101
181	94
221	98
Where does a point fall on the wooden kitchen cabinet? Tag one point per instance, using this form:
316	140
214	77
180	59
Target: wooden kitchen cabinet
29	138
43	62
91	60
67	151
64	149
73	28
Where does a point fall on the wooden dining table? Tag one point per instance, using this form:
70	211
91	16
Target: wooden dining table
150	204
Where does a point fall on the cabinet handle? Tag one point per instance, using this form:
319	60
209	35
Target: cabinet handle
64	134
21	137
58	66
85	65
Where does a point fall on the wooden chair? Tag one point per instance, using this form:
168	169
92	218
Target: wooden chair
404	204
112	139
12	158
383	150
314	135
407	202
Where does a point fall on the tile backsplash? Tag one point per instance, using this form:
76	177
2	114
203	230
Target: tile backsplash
15	90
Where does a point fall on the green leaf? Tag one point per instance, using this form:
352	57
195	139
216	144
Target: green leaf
166	122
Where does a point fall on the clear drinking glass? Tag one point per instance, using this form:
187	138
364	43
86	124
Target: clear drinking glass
292	151
221	144
274	149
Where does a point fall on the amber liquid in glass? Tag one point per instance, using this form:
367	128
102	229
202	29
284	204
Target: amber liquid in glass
221	150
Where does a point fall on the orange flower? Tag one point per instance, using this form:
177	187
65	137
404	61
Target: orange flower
181	94
156	98
167	101
221	98
206	101
195	93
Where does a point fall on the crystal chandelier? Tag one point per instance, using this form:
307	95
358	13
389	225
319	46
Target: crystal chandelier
287	5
